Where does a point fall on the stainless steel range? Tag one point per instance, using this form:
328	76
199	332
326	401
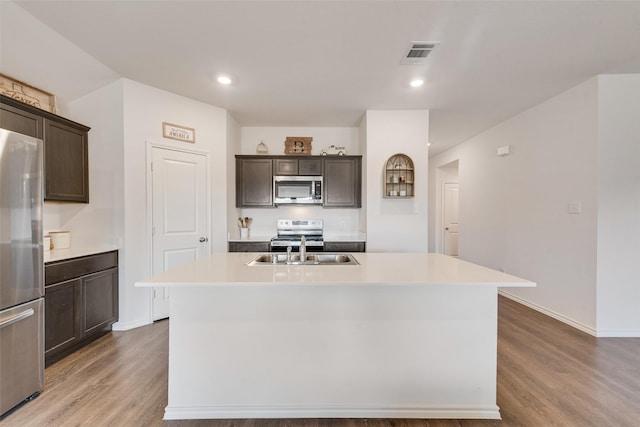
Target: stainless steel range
290	232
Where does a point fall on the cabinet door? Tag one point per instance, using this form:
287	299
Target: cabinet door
62	315
342	182
254	183
286	166
310	166
100	300
66	163
344	246
249	246
23	122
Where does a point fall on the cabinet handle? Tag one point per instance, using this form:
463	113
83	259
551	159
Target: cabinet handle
203	239
17	318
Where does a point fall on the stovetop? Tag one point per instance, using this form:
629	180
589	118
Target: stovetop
290	232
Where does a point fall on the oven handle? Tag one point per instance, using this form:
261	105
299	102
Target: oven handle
17	318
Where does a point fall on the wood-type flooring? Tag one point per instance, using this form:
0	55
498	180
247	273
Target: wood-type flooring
549	374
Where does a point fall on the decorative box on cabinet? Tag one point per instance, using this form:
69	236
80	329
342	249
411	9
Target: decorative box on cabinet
66	148
81	302
399	177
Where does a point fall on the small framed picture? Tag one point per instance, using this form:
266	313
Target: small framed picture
177	132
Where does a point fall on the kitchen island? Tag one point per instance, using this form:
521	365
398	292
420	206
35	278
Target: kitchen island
400	335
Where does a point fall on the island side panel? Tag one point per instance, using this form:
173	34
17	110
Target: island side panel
333	351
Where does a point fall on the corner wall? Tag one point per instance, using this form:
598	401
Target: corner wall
618	306
514	209
145	108
396	225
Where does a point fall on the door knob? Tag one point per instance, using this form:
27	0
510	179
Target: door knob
203	239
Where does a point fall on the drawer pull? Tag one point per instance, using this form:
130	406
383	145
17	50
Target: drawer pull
18	317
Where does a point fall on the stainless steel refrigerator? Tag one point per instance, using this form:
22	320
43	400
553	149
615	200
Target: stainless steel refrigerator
21	270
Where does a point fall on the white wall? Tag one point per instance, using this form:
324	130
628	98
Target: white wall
514	209
145	108
396	224
336	221
35	54
274	137
233	141
618	310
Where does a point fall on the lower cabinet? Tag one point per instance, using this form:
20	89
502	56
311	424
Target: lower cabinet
344	246
249	246
81	302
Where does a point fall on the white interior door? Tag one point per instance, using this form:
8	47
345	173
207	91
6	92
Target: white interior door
180	232
450	204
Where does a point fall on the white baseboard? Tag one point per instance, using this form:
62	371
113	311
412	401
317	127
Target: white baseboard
313	411
618	333
121	326
564	319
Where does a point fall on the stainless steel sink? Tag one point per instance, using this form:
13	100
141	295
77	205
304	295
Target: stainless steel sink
310	259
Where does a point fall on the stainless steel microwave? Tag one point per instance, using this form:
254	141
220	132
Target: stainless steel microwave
297	190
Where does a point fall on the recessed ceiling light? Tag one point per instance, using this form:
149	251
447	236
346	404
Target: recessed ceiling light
416	83
224	80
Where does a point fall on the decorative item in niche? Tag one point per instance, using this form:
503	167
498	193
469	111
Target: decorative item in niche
334	150
27	94
399	177
262	148
177	132
298	145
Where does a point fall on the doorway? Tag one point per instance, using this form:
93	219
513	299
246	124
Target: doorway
179	213
447	216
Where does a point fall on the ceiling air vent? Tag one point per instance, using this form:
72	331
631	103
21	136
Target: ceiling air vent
418	52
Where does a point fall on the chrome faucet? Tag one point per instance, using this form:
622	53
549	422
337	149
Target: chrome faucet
303	249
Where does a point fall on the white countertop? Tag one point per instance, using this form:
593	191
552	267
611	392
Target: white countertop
387	269
77	251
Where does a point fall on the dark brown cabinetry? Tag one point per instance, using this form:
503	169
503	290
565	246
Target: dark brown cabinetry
249	246
66	148
342	178
254	184
81	302
344	246
298	166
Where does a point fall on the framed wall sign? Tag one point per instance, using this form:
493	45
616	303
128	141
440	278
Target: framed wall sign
27	94
177	132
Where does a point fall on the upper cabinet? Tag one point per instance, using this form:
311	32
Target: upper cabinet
66	148
307	166
342	179
254	182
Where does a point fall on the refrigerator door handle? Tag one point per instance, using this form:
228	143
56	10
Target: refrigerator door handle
18	317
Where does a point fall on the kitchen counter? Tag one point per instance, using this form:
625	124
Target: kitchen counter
76	251
387	269
398	336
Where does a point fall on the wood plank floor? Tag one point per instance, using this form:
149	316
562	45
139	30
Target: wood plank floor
549	374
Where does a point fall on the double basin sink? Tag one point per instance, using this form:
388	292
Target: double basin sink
310	259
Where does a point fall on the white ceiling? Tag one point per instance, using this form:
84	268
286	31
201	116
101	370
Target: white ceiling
324	63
